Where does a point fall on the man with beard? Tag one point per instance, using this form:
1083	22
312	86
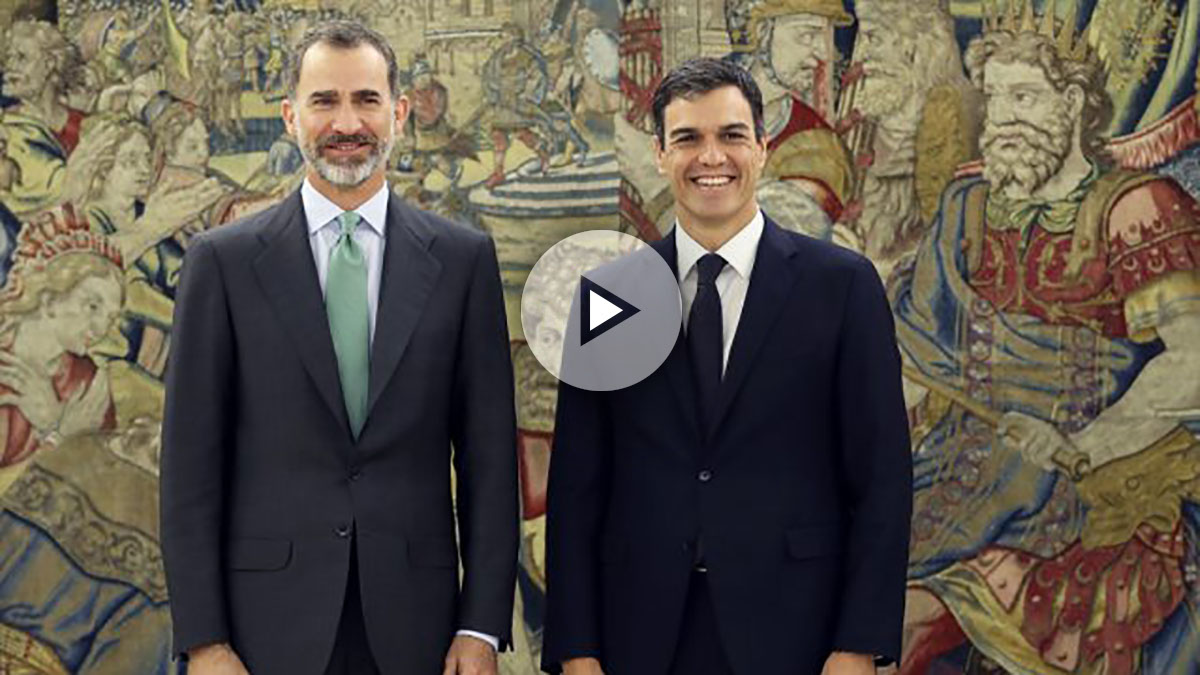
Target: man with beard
326	354
792	55
918	107
40	65
1051	317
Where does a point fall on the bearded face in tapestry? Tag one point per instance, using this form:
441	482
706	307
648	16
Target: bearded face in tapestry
1044	324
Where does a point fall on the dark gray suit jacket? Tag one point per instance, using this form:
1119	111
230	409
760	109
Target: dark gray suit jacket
264	486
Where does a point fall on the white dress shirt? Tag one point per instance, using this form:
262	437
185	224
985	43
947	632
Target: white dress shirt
733	281
324	230
371	235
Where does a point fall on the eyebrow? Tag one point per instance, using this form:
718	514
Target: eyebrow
355	95
684	131
1015	86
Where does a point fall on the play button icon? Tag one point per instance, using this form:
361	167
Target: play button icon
603	309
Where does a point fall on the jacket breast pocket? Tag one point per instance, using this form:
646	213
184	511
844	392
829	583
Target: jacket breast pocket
814	541
264	555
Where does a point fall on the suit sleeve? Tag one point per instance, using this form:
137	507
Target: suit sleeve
876	465
484	432
580	468
195	447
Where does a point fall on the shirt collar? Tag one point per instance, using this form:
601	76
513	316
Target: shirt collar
320	211
739	252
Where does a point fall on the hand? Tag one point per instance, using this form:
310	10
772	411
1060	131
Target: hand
846	663
85	409
168	210
1036	439
140	443
84	164
470	656
584	666
33	392
218	659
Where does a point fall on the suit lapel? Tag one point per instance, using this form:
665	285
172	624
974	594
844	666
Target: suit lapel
288	276
771	283
409	274
677	366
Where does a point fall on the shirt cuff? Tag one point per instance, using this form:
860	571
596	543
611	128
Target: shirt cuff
491	640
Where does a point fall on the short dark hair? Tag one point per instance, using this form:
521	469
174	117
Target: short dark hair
700	76
342	34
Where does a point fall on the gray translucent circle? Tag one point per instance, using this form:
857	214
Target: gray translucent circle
633	347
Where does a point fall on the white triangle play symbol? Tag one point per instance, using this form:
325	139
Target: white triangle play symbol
601	310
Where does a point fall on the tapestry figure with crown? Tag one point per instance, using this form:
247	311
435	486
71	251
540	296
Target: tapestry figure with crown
1045	320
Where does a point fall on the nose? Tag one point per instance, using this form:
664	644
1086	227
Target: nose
97	327
346	120
999	111
711	154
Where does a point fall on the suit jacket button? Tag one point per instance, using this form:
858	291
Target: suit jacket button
355	474
704	476
342	531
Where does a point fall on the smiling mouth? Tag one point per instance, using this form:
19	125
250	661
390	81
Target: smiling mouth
712	182
346	147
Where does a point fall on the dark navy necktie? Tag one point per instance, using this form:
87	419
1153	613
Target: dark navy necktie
704	337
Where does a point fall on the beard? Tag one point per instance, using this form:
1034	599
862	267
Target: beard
1025	155
352	171
798	77
886	90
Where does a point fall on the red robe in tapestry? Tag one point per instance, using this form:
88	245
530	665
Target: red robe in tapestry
20	442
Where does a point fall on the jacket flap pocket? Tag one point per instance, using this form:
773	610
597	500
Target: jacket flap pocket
259	554
433	552
814	541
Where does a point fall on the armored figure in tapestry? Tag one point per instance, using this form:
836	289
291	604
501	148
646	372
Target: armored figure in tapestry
788	46
1045	324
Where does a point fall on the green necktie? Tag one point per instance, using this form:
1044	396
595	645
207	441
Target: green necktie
346	305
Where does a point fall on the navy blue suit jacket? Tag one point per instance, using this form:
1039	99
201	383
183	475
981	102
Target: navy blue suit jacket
799	494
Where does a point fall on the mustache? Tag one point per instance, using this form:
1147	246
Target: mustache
809	65
1038	155
1032	134
334	139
